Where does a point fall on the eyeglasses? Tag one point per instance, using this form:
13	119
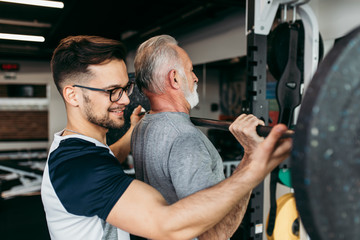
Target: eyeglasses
115	93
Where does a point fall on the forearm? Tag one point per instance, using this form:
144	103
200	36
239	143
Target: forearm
149	215
216	203
121	148
226	227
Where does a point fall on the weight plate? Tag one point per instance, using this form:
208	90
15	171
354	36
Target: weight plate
286	218
325	161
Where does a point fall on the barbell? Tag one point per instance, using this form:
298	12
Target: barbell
262	131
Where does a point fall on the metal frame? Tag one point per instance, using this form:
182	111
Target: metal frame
260	15
256	97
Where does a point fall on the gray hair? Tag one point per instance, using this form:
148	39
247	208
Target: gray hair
154	59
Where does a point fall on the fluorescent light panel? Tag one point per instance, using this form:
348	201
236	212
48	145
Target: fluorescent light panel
25	23
20	37
41	3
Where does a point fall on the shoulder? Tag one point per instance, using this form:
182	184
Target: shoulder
77	144
73	150
169	122
86	177
181	122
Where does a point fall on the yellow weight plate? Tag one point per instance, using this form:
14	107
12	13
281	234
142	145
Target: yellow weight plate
286	215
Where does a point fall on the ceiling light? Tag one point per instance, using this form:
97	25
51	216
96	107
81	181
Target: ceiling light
41	3
20	37
25	23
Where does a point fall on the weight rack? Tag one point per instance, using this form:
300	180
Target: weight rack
260	15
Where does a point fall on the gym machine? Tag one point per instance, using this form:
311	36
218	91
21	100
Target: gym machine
260	16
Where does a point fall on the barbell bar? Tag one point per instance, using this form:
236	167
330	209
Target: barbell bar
262	131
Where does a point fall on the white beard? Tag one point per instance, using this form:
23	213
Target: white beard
192	97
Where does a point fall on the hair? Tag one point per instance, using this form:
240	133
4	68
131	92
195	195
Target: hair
153	61
74	54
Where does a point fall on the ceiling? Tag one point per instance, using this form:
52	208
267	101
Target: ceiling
131	21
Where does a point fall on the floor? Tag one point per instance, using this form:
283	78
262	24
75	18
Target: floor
23	218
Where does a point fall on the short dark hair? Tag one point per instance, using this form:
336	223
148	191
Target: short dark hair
75	53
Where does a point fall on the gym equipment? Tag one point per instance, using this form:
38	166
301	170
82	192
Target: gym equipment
263	131
278	45
288	94
288	87
325	161
30	182
287	219
285	177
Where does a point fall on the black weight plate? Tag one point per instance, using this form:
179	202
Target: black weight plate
325	161
278	48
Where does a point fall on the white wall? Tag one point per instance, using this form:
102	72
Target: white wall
57	112
221	40
37	72
335	18
208	90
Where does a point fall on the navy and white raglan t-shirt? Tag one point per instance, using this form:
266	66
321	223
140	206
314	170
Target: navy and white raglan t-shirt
82	182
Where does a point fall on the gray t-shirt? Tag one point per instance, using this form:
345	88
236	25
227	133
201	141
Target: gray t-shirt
173	156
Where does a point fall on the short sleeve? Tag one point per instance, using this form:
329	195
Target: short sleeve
87	179
191	166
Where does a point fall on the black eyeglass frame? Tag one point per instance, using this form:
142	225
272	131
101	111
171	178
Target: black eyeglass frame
110	91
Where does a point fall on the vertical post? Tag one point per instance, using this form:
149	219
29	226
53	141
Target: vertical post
257	105
256	68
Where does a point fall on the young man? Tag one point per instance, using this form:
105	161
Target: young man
170	153
86	194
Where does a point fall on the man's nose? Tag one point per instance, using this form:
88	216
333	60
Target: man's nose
124	100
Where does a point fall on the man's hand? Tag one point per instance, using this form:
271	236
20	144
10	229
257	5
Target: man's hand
135	117
121	148
261	155
274	149
244	130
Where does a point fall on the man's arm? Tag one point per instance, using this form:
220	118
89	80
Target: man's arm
249	141
143	211
121	148
192	168
227	227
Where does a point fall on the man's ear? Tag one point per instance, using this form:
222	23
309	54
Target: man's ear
70	95
174	83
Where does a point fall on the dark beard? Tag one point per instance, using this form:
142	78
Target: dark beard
104	121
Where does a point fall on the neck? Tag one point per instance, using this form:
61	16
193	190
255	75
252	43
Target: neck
89	130
168	103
